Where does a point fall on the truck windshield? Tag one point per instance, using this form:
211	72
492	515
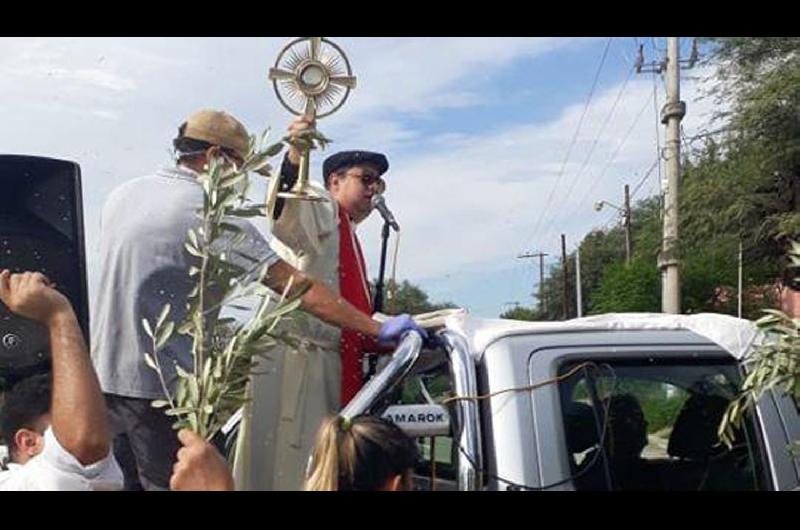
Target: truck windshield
653	426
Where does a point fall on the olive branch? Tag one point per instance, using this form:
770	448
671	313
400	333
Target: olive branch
775	364
225	351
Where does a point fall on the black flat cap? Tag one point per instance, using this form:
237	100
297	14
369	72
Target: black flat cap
350	158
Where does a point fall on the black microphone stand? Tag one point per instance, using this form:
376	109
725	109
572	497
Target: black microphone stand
377	304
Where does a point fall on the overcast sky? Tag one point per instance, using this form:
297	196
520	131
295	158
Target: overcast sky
477	130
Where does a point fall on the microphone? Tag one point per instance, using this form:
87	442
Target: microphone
379	203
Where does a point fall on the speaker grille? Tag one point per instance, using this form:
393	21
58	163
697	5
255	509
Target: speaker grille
41	229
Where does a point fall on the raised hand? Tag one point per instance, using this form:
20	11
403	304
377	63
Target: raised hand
31	295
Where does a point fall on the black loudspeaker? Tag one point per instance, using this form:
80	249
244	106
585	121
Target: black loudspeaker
41	229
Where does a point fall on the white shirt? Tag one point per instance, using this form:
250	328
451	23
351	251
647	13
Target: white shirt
54	469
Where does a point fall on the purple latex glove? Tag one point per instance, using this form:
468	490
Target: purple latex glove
393	329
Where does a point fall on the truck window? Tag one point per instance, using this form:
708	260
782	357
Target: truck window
437	467
654	426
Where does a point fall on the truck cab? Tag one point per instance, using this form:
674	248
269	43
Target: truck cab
614	402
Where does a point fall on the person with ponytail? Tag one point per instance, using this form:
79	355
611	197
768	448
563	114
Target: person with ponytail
365	453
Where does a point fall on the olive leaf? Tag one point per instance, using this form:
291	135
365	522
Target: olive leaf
224	350
774	364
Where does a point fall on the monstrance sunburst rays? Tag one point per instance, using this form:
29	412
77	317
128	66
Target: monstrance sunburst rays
311	76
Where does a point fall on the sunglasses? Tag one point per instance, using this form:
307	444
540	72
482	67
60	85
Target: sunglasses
369	179
232	157
227	154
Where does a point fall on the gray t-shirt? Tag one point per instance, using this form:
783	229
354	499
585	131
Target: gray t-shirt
144	264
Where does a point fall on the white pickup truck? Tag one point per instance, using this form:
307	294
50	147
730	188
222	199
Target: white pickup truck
614	402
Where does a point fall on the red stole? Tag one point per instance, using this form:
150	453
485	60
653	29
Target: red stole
354	288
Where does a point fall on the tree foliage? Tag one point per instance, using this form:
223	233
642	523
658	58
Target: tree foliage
739	183
406	297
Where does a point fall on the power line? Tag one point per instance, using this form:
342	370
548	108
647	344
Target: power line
686	143
709	133
613	156
609	221
604	226
626	59
616	153
662	64
656	190
594	143
574	138
656	49
542	302
518	278
658	128
644	178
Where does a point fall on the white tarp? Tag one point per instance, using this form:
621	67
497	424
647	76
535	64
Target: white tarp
734	335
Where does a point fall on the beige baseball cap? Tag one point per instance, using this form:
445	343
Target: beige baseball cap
218	128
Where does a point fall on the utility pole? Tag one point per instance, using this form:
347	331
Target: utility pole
671	115
626	219
540	255
578	294
674	110
739	289
627	214
542	297
564	299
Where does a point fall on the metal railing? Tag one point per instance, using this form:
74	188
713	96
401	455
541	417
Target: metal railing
467	427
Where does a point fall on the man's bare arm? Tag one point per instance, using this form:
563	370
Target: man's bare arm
321	302
78	410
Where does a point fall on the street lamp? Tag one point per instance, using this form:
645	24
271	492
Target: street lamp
626	216
599	206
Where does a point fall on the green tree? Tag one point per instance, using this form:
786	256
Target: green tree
633	287
600	249
760	77
408	298
521	313
741	183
